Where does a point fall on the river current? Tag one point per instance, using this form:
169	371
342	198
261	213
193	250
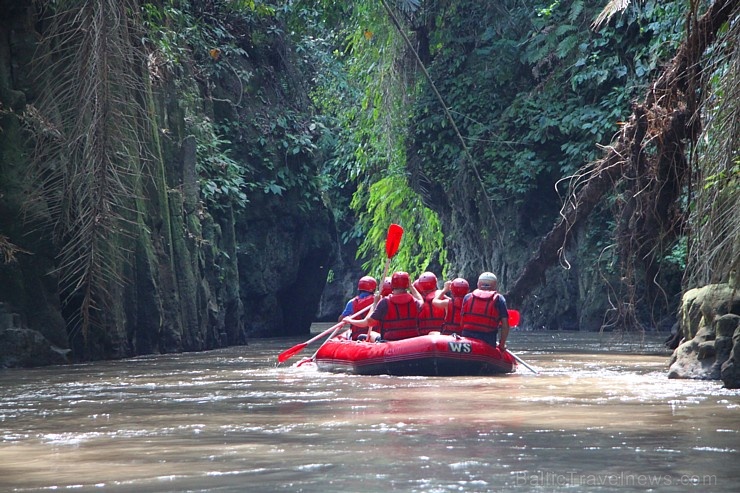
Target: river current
600	415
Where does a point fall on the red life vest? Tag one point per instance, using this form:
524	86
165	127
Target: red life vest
430	318
357	305
453	317
400	320
479	311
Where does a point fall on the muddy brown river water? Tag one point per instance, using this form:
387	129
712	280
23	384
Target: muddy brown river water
600	416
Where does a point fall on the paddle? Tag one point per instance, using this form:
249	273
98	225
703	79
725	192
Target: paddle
392	242
289	353
513	318
523	363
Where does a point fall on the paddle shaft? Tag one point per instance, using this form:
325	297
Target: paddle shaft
523	363
288	353
385	273
338	328
337	331
316	338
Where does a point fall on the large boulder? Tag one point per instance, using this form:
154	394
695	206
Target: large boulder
21	347
24	347
710	324
730	372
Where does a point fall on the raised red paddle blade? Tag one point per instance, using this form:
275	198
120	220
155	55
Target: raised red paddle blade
393	239
285	355
513	318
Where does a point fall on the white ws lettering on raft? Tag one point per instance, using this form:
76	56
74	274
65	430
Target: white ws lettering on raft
460	347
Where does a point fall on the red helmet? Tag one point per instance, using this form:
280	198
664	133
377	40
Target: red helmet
386	289
459	287
367	283
400	280
428	281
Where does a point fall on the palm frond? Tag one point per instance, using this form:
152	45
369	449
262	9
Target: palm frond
610	10
87	128
408	6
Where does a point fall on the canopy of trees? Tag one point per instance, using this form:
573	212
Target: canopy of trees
507	136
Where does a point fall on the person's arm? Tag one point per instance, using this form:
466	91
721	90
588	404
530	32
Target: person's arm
504	331
440	300
441	303
504	334
362	322
415	293
346	312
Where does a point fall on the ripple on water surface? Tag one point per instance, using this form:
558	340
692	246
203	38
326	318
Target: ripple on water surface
219	420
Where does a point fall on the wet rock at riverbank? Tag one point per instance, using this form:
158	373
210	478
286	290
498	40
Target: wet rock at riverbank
710	325
22	347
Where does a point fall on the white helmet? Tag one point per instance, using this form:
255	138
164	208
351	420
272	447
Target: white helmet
487	280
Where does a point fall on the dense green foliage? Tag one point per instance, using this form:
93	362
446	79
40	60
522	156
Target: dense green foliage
453	118
237	155
535	89
517	99
361	91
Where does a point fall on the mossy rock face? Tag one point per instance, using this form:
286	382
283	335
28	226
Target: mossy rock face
283	260
705	333
723	347
706	350
701	306
690	313
712	329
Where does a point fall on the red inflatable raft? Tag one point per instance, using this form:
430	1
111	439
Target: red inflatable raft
429	355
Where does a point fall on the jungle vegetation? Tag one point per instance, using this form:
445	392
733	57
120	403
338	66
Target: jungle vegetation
508	136
495	115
